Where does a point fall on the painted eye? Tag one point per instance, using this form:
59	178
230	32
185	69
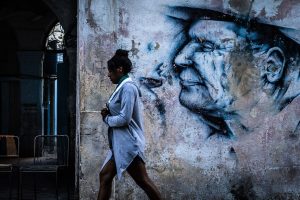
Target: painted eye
200	40
208	46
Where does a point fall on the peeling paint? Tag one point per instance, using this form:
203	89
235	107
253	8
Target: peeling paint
241	6
90	16
123	22
134	48
219	124
271	9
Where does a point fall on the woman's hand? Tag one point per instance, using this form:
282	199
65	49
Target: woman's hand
104	112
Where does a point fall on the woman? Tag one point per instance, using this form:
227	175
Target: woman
123	115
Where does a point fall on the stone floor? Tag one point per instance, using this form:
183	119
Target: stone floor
45	186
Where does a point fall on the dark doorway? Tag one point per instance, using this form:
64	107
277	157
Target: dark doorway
34	84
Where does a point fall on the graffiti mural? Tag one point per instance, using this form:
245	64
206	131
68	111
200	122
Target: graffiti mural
220	83
222	60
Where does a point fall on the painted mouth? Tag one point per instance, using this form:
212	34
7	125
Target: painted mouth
190	77
186	83
151	82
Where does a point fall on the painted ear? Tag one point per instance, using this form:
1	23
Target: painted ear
275	64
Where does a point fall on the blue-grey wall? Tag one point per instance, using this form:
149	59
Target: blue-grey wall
220	81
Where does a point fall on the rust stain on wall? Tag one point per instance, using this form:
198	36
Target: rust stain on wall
217	3
134	50
244	73
284	9
90	16
123	22
241	6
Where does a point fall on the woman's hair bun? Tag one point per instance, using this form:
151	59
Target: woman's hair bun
120	59
121	52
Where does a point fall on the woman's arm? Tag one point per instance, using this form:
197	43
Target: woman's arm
128	97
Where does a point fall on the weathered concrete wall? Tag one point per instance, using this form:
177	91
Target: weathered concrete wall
221	100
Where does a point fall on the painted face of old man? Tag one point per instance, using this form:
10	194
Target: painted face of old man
225	71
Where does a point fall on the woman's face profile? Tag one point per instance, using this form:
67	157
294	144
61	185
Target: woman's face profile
115	75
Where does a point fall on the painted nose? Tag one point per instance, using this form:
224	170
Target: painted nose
184	57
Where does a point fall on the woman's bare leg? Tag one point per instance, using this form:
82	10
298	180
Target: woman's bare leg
106	177
139	174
